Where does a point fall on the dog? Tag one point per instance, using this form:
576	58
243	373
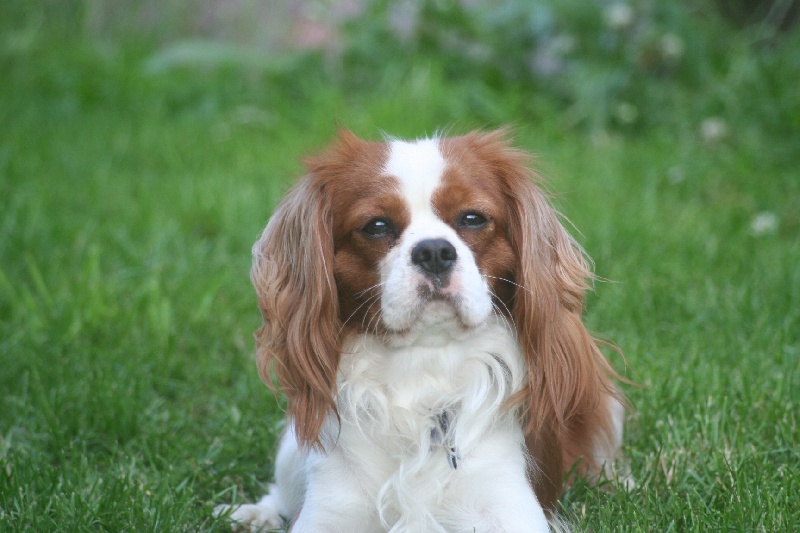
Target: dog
421	306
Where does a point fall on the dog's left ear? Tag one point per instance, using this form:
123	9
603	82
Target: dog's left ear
569	379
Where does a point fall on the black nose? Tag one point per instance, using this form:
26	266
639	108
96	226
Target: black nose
434	256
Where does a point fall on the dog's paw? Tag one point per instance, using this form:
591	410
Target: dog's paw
254	517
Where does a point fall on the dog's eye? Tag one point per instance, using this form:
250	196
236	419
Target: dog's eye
378	227
472	220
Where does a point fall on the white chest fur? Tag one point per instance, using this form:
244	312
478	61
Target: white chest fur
412	416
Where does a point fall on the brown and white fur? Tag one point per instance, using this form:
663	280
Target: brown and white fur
422	313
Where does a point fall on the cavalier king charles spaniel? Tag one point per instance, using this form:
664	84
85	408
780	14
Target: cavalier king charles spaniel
422	313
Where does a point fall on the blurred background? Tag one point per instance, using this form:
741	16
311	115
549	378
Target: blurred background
603	64
144	143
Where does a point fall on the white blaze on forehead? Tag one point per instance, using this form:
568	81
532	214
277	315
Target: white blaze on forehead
418	165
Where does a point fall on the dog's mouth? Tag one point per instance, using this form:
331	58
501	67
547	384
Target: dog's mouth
427	294
435	313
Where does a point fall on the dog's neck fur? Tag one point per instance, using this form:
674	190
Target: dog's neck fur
424	407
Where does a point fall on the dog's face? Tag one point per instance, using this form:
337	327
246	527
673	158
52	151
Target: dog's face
421	241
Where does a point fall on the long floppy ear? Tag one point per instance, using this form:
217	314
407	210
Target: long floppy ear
293	276
569	379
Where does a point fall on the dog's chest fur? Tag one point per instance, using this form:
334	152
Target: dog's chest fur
410	416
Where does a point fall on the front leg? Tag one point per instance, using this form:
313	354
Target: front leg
490	492
314	492
282	503
335	499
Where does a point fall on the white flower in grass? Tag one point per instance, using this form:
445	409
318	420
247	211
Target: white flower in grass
714	130
671	47
764	223
626	113
676	175
619	16
564	44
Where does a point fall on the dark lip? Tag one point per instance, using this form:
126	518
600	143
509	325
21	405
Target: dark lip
439	281
427	294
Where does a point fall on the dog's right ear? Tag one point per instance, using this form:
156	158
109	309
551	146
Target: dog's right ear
293	276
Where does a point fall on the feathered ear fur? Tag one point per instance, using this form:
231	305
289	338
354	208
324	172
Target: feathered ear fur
293	276
566	402
293	273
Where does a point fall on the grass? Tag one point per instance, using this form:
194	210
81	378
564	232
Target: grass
129	200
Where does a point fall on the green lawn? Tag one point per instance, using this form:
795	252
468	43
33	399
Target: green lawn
130	197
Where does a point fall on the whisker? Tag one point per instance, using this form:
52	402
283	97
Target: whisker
358	295
369	324
374	301
357	308
498	299
510	315
509	281
378	323
508	320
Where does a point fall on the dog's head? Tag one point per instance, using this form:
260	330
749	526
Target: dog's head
417	243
